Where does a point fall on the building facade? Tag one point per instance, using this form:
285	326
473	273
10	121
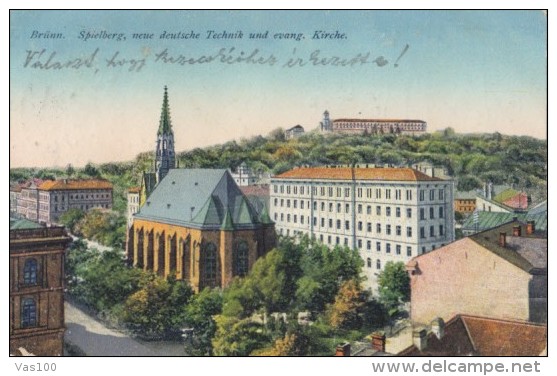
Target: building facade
294	132
198	225
388	214
133	203
372	126
37	288
499	273
244	176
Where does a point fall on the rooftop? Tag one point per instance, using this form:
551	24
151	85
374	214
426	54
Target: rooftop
483	336
199	198
379	120
488	220
349	173
66	184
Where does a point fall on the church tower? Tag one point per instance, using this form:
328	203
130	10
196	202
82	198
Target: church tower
165	157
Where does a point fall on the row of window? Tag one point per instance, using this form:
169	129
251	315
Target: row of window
377	193
369	211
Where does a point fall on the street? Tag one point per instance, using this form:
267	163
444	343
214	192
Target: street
94	339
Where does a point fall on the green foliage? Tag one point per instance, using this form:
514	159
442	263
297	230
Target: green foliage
103	226
346	311
100	280
238	337
71	218
394	286
157	309
199	315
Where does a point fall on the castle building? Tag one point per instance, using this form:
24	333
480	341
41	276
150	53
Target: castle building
387	214
372	126
194	223
244	176
36	288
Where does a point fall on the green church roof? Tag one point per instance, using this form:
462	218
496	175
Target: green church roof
199	198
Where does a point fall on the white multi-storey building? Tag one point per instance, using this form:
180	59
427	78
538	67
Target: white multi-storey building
388	214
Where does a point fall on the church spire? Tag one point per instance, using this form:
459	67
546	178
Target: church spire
165	126
165	157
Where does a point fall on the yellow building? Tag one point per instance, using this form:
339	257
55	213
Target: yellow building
197	224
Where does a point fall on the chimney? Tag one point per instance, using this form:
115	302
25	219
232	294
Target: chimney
419	337
438	327
489	190
378	341
343	349
516	230
502	239
530	227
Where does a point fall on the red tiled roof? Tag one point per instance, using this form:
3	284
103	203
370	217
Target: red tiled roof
380	120
134	189
494	337
345	173
255	190
62	185
483	336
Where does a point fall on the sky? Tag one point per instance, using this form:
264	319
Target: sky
474	71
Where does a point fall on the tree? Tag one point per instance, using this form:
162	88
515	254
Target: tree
394	286
157	309
91	170
199	315
346	311
71	218
70	171
238	337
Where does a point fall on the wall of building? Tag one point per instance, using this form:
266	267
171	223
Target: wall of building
343	212
180	249
46	246
465	278
489	206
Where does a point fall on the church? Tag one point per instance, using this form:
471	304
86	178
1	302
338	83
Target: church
195	223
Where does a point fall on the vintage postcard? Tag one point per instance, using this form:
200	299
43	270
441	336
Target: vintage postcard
280	183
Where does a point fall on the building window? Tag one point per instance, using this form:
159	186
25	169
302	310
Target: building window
302	219
338	224
368	209
378	264
360	226
398	230
422	195
337	240
288	218
431	213
398	194
441	212
210	264
378	210
369	227
369	262
295	218
432	231
359	208
330	207
282	216
441	194
409	251
301	204
315	205
281	202
441	230
388	229
378	246
339	207
422	232
388	194
431	195
339	191
346	192
241	259
287	203
329	239
322	222
408	194
30	272
388	211
276	201
315	221
295	204
28	313
409	213
360	243
368	245
409	232
330	223
388	248
422	213
347	225
347	208
398	249
397	210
